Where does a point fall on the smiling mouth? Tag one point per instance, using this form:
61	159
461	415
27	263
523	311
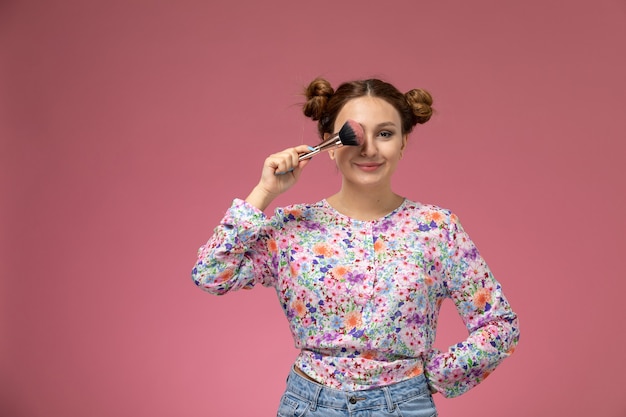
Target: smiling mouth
368	166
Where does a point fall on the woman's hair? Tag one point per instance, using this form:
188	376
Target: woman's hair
324	104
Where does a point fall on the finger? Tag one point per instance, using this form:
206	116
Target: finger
282	164
289	160
283	172
294	157
303	149
280	160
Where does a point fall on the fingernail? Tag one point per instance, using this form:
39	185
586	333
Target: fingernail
283	172
311	148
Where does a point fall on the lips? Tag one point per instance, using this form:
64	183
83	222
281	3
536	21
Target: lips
368	166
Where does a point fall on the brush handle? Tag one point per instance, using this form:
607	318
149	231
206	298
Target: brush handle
309	154
331	143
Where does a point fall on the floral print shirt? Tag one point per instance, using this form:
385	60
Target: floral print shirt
362	297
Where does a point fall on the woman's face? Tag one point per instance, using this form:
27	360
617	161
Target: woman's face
374	162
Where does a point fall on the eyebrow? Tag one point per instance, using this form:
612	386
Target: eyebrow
384	124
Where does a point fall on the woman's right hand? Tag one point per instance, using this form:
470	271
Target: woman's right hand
280	172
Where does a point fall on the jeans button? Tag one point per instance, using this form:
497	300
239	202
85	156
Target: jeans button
352	400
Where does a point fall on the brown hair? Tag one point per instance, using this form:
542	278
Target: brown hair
324	104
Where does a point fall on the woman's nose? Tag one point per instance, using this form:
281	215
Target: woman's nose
369	147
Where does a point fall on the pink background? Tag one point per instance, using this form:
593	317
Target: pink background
128	126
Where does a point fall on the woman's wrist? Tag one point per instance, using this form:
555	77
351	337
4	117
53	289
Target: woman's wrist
260	198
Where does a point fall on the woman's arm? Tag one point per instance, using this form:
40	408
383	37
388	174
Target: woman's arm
236	256
493	326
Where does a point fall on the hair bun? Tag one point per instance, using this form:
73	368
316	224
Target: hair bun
317	95
421	102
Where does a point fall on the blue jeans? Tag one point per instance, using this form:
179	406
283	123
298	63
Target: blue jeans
304	398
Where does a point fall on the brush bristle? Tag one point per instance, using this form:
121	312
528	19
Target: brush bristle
351	134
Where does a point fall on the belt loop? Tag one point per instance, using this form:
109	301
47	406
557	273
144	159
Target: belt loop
316	397
390	405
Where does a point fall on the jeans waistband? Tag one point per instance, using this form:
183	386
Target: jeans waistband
321	395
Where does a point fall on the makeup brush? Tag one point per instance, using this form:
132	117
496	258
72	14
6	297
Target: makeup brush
350	134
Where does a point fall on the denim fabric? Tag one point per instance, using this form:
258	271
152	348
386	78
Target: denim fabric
304	398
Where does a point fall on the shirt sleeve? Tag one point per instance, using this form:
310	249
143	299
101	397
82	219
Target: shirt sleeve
493	327
236	256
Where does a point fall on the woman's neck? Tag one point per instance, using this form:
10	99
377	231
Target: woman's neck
365	205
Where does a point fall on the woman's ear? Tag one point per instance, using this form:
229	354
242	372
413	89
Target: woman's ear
405	138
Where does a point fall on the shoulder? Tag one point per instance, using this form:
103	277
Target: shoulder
430	219
429	212
301	212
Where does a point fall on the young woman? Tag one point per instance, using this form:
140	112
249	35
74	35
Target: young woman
361	274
